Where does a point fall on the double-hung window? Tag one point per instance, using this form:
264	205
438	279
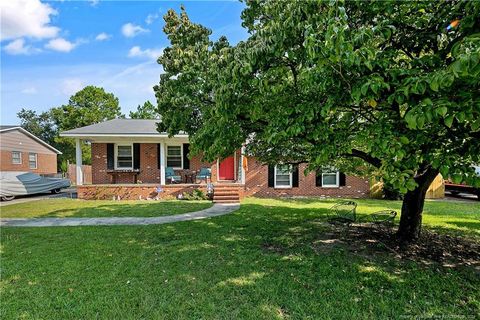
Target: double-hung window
174	157
283	176
124	156
16	157
32	160
330	179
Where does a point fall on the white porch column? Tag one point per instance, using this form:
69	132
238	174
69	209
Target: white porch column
162	163
78	161
242	152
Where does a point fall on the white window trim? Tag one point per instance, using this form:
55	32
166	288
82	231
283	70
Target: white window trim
336	185
275	179
116	156
36	160
20	153
181	155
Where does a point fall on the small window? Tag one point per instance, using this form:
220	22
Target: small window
124	157
174	157
16	157
330	179
283	176
32	160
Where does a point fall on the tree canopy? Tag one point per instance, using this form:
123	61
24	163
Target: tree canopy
88	106
331	83
145	111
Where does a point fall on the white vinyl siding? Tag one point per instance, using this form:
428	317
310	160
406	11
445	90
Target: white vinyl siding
283	176
16	157
175	157
124	156
32	160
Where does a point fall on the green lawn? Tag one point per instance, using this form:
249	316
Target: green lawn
100	208
261	262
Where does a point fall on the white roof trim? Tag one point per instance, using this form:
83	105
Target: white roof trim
141	135
33	137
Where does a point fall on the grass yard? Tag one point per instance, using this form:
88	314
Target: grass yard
266	261
102	208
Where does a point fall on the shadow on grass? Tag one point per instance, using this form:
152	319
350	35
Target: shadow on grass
259	262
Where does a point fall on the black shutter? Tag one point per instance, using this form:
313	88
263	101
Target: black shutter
159	154
110	156
342	179
295	176
136	156
186	161
318	178
271	176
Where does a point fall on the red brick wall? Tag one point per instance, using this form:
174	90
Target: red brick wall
46	163
256	184
149	172
134	191
99	164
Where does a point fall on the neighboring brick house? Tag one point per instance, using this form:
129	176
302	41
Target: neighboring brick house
131	160
22	151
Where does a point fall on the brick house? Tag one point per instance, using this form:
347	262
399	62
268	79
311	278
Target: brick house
22	151
132	160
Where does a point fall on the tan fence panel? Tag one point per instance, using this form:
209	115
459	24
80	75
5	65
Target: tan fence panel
87	174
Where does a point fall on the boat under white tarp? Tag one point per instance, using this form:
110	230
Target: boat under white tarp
25	183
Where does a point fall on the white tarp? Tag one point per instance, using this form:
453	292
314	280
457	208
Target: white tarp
23	183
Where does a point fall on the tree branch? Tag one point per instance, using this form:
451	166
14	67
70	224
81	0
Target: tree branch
377	163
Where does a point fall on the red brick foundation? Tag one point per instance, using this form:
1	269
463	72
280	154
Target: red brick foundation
134	191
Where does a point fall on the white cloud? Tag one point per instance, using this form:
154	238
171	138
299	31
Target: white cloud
71	86
18	46
130	30
60	44
26	18
94	3
103	36
147	53
151	17
30	90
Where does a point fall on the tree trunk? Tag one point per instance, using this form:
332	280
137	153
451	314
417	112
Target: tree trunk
412	207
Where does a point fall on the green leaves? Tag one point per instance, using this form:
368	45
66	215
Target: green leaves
449	121
316	80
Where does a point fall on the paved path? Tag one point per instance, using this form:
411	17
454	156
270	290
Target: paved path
215	210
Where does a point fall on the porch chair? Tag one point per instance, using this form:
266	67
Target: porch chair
343	212
204	174
171	177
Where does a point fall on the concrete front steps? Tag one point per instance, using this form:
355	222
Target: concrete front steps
227	193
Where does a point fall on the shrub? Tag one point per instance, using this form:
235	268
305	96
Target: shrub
195	194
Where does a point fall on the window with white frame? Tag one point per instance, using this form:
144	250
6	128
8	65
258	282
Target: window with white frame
283	176
174	157
330	179
16	157
32	160
124	156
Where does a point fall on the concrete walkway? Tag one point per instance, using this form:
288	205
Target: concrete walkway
215	210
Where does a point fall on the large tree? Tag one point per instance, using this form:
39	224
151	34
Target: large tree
40	125
145	111
88	106
331	83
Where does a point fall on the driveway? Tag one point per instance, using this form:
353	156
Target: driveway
66	193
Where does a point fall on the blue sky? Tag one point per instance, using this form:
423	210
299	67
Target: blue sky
51	49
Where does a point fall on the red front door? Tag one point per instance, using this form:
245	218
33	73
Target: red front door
226	169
